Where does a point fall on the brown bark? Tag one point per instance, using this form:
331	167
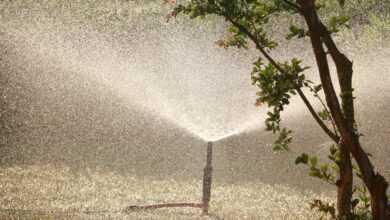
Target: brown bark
344	72
375	183
344	184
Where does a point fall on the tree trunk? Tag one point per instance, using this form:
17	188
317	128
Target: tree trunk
375	183
344	184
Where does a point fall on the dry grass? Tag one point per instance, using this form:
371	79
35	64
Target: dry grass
45	192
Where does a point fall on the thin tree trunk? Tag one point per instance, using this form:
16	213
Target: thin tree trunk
344	184
375	183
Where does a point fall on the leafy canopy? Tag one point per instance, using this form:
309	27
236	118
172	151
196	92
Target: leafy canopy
277	81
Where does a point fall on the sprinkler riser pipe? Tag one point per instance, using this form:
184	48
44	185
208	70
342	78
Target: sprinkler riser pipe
207	178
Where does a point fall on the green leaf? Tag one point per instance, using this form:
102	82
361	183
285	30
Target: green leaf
324	115
315	173
313	161
283	140
303	158
295	31
335	22
324	168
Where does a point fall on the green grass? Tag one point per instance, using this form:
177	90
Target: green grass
46	192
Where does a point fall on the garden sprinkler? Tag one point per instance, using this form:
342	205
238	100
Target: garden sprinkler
207	178
204	205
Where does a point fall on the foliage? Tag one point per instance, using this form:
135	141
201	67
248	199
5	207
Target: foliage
329	172
279	81
276	89
323	171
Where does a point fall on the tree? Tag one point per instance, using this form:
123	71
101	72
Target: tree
279	81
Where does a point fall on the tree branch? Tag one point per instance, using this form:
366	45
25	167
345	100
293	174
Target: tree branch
376	183
254	40
327	111
332	135
344	74
323	68
320	122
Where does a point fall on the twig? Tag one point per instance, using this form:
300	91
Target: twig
328	112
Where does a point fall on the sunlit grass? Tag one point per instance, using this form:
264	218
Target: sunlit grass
46	192
370	19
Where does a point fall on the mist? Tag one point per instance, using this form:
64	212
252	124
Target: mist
143	100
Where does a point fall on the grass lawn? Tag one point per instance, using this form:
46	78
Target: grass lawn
46	192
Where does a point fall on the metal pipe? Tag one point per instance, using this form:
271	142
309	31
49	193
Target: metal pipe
207	178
